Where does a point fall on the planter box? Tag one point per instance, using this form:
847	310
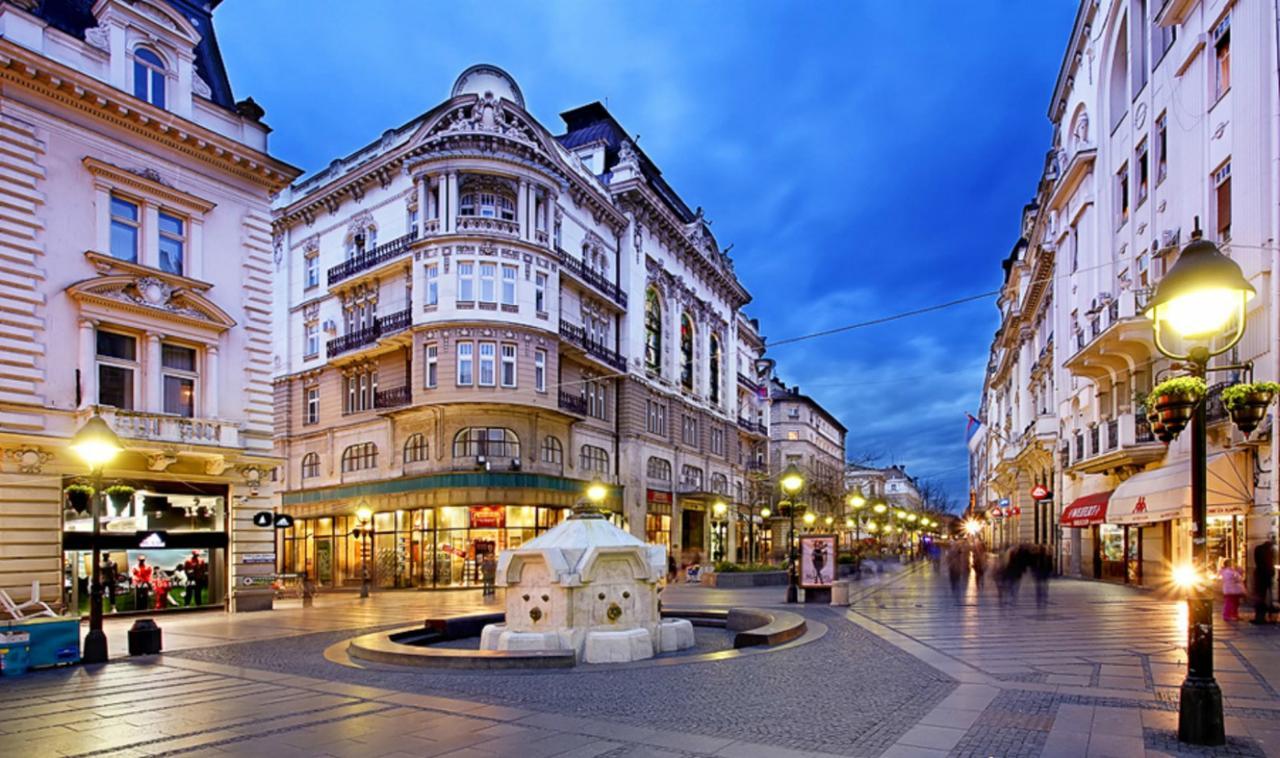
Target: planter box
741	579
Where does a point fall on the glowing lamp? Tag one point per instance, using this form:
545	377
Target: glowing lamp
972	527
872	526
792	480
879	507
1186	576
1201	294
95	443
596	492
809	518
363	514
856	500
765	513
848	523
830	520
719	508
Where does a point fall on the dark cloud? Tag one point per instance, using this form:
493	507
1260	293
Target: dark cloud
864	158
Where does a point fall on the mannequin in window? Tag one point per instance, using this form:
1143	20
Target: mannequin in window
141	584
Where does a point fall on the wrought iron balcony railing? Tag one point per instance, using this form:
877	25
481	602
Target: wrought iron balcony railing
607	288
382	326
394	397
578	336
371	258
573	403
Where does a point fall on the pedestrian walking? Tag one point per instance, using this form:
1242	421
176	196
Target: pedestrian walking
489	571
1264	572
979	552
1041	568
957	565
1232	591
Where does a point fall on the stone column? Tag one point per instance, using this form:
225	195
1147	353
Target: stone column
438	202
211	380
424	193
151	380
149	245
451	208
522	210
88	362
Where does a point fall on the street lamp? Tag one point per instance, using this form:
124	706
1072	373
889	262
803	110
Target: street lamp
96	445
718	510
364	517
596	493
809	518
791	481
1197	300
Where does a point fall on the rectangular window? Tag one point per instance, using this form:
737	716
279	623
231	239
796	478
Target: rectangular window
540	370
1222	201
656	418
488	354
689	431
1122	195
510	275
1162	147
1075	250
508	365
465	365
433	284
433	365
717	441
311	332
488	277
411	220
1140	166
117	364
313	405
466	281
312	271
1222	57
540	293
178	364
124	229
1138	46
173	241
1162	38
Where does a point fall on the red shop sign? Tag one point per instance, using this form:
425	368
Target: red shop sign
1040	492
488	517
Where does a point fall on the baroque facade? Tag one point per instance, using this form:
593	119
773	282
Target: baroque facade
1160	109
138	229
480	316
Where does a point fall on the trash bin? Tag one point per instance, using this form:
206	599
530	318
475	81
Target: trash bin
15	653
144	638
840	592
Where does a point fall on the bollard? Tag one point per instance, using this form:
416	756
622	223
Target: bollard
840	592
144	638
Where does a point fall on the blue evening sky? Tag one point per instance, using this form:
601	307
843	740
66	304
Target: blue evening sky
863	158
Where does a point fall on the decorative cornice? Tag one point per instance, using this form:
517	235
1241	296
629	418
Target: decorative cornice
149	182
106	264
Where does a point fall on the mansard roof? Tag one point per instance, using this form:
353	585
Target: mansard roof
75	16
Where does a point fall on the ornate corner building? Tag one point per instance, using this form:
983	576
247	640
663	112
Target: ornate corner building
478	316
136	278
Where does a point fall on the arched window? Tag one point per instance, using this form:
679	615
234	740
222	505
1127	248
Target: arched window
594	459
1119	80
715	370
492	441
552	451
720	484
358	457
310	466
652	330
659	469
691	478
148	77
686	351
415	448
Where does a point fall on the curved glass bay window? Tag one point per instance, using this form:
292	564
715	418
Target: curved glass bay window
686	352
652	330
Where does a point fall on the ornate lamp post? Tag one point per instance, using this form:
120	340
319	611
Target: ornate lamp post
1197	301
96	445
791	482
718	511
765	513
364	517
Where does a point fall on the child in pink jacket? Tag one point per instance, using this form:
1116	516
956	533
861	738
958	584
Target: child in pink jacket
1232	591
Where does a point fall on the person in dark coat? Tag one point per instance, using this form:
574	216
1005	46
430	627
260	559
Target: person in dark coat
1264	572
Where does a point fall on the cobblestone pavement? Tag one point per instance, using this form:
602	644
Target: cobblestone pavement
1096	672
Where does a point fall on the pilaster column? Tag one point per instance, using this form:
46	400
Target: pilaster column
149	247
193	266
211	380
151	380
88	362
102	213
423	207
451	208
439	202
522	209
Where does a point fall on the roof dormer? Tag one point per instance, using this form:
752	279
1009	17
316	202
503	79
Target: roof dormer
152	52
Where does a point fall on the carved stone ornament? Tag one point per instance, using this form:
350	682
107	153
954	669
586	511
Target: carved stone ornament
153	292
98	37
252	475
277	249
29	460
161	461
487	115
215	466
200	86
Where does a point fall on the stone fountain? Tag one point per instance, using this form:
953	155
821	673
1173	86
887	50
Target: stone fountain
586	586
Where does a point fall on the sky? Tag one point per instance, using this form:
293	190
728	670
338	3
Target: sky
864	158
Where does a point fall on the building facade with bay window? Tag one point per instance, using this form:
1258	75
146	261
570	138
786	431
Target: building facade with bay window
478	318
137	282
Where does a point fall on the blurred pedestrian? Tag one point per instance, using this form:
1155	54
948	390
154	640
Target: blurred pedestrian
1041	565
979	562
1232	591
957	566
1264	573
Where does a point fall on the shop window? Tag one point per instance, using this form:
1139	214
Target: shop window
552	451
125	226
148	77
658	469
493	442
415	448
117	367
594	459
359	457
310	466
173	242
178	366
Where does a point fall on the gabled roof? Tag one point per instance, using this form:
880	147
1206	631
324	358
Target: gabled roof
75	16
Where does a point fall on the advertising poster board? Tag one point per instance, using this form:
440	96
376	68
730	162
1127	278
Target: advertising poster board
817	560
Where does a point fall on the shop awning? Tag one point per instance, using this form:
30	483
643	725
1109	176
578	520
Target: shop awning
1087	510
1165	493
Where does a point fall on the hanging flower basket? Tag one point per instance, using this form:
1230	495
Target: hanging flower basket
120	495
1174	400
1158	429
79	497
1247	403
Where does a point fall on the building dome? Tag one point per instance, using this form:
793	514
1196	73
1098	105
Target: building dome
483	78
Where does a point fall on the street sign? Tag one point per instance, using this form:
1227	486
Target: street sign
263	518
284	521
1040	492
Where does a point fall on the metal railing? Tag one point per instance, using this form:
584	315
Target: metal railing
382	326
371	258
751	426
609	289
573	403
392	398
1113	433
578	336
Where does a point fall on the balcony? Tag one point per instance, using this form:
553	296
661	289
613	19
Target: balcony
577	336
1115	338
382	327
372	258
488	225
573	403
748	382
606	288
1072	167
1117	443
752	427
170	429
395	397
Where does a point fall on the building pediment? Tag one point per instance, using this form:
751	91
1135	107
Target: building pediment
149	296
